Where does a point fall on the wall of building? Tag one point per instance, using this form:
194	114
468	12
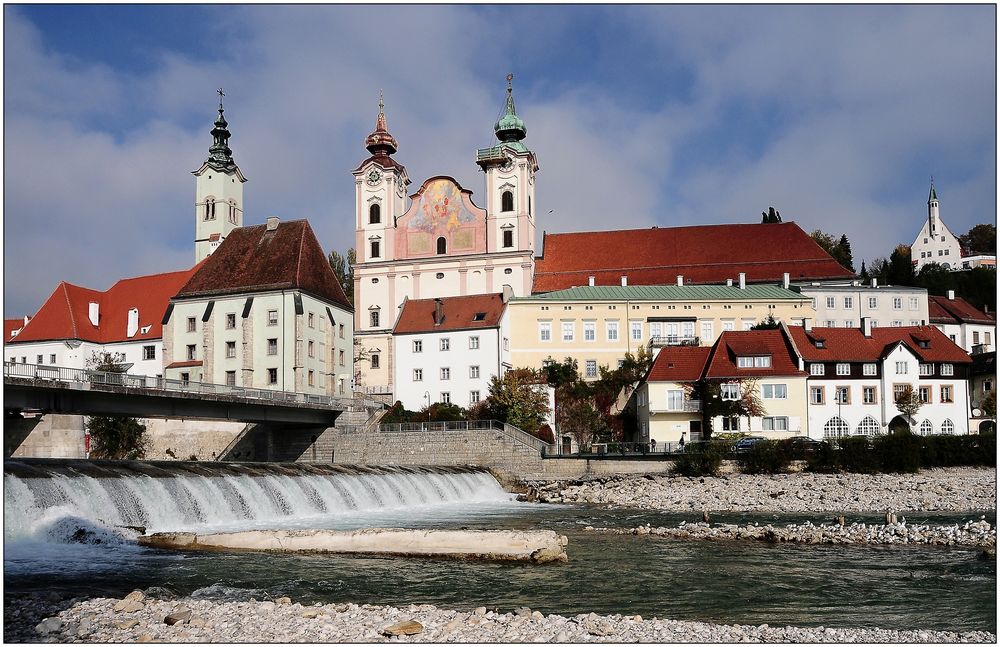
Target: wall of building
658	422
844	306
75	354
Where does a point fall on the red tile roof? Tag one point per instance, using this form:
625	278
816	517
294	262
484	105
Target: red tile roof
702	254
943	310
66	313
850	344
679	364
10	325
459	314
253	259
184	364
733	344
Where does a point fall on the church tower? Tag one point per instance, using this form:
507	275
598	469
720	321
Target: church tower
218	192
510	183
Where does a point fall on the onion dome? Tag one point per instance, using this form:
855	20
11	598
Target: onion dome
510	127
220	156
380	142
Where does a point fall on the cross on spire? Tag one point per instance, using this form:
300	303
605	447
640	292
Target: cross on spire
221	94
510	77
381	103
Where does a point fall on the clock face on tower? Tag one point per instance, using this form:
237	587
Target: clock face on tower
374	176
508	164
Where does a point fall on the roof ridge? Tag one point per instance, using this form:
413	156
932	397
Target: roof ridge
298	260
69	308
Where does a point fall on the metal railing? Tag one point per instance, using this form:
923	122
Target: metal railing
375	389
689	406
672	340
518	435
614	449
486	154
80	378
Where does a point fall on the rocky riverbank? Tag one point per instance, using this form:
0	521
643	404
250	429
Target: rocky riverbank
979	534
956	489
141	619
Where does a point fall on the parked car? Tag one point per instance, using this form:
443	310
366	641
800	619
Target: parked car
805	443
744	444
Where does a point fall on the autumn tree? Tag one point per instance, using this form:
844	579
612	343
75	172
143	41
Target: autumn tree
908	402
114	437
580	419
981	239
840	249
519	399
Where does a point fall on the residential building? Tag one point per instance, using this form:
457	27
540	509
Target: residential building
598	325
844	304
447	349
764	252
11	327
935	243
265	310
855	375
988	261
963	323
983	385
665	408
441	244
75	322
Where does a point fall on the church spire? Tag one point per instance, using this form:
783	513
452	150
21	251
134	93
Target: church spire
220	156
510	127
380	142
933	195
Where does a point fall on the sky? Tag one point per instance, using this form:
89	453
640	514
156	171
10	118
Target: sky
641	115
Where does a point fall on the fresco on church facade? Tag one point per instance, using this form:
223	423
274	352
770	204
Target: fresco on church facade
441	209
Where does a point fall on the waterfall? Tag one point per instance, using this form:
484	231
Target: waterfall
57	500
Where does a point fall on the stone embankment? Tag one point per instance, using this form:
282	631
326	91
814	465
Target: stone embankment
947	489
534	546
141	619
979	534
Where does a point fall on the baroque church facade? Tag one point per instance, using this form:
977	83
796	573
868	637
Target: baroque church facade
437	242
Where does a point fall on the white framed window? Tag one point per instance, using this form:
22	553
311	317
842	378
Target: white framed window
775	391
191	351
191	324
946	394
230	320
568	332
230	349
230	378
869	427
544	331
185	378
848	303
817	369
272	317
835	427
272	376
897	303
373	318
926	428
924	393
843	368
728	325
474	342
873	302
748	324
817	395
926	369
474	372
774	423
445	397
842	395
914	303
902	368
473	397
869	394
706	331
272	346
445	344
52	357
947	427
418	346
848	323
730	391
148	352
311	320
589	331
612	330
831	302
590	369
445	373
675	400
635	328
418	375
39	359
947	369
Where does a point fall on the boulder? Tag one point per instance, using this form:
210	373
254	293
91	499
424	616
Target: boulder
49	626
178	616
404	628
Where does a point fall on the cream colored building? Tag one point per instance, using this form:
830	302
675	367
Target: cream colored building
597	325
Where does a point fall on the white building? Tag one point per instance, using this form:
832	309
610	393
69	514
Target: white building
963	323
935	243
441	244
218	192
855	375
447	349
844	304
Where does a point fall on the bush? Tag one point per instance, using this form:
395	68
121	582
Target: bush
765	457
824	459
898	452
855	455
701	459
986	449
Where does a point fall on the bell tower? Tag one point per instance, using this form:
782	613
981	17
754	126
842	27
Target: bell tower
218	204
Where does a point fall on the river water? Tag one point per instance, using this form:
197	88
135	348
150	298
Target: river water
899	587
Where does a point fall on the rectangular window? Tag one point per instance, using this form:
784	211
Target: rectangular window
230	378
612	327
52	357
898	390
373	317
842	395
311	348
975	336
311	318
748	324
341	358
914	303
927	369
230	349
272	346
149	352
591	368
925	394
831	323
775	423
675	400
341	331
896	323
445	397
947	369
567	331
636	330
508	237
544	331
816	395
272	317
418	375
897	303
817	369
589	331
946	394
473	397
706	332
873	302
445	343
418	346
727	326
474	372
445	373
730	424
775	391
230	320
870	369
848	323
831	302
191	351
311	379
375	360
192	325
744	362
39	359
473	343
848	303
730	391
843	369
870	394
901	368
272	376
185	378
376	249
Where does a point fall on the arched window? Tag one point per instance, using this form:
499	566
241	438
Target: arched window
374	214
947	427
926	428
507	201
836	428
209	208
442	245
869	427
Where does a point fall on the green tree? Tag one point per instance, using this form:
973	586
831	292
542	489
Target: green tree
579	418
518	398
936	279
343	268
824	240
746	405
114	437
770	323
981	238
842	253
899	269
908	402
989	405
864	275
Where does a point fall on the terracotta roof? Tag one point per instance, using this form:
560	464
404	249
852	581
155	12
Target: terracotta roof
702	254
679	364
66	313
10	325
850	344
943	310
252	259
184	364
732	344
460	313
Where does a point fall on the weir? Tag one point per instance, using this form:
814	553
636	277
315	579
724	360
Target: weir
42	498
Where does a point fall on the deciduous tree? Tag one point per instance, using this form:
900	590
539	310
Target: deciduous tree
114	437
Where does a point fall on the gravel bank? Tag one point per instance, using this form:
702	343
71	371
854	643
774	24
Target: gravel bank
957	489
972	533
140	619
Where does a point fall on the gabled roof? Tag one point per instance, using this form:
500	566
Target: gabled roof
942	310
702	254
10	326
253	259
668	293
732	344
679	364
459	313
851	345
66	313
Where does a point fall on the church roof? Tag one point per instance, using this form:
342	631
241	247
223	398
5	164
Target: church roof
701	253
468	312
255	259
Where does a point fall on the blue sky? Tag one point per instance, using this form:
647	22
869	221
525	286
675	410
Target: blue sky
639	115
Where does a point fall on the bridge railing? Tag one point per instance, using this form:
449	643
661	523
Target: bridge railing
511	432
86	378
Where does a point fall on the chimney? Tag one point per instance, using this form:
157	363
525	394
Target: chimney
438	312
729	282
95	313
743	280
590	281
680	280
272	223
866	326
807	324
133	322
785	280
951	295
624	280
874	282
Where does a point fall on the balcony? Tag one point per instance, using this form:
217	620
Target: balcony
688	406
672	340
493	154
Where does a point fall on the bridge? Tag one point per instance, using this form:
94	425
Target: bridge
56	389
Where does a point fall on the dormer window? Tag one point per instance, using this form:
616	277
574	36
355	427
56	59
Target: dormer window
507	201
479	316
754	361
374	214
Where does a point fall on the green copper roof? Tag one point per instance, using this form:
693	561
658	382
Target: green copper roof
667	293
510	127
933	195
